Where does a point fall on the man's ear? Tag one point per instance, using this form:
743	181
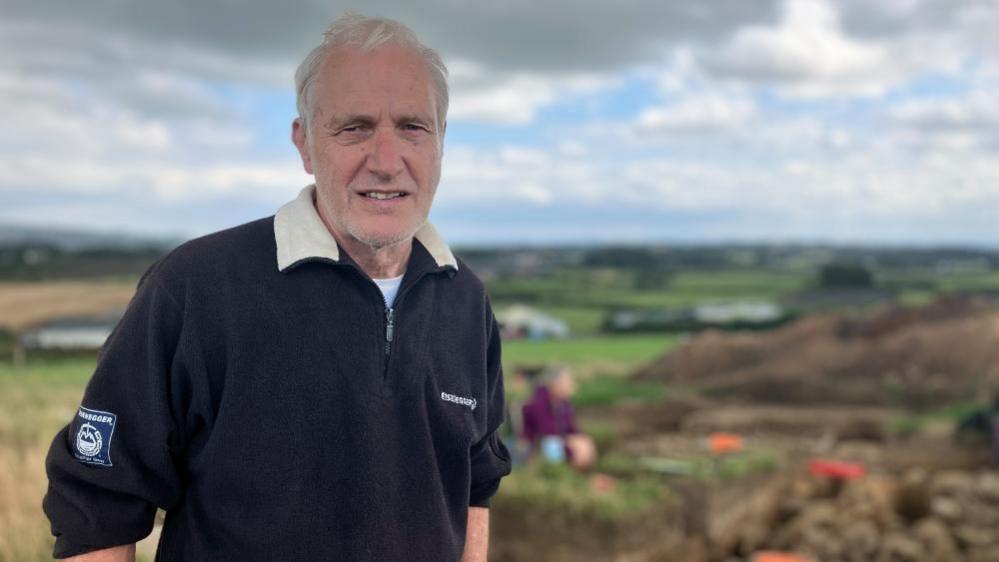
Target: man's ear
300	138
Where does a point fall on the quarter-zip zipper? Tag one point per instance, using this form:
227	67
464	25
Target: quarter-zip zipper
390	320
390	311
389	332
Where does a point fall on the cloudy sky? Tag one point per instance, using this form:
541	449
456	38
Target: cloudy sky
571	120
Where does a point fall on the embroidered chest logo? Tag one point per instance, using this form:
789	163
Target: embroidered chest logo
460	400
93	438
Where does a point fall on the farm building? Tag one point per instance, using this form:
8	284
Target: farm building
725	315
71	334
59	314
525	322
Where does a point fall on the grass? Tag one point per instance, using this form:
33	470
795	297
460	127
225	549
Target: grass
710	468
582	321
584	289
35	403
589	355
911	423
605	390
969	282
560	489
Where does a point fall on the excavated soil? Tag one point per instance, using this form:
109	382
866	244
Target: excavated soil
826	387
907	357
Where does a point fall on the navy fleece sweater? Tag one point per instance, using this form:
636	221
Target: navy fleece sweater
285	415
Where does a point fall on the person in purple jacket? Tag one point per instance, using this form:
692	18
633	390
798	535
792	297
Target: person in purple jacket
549	423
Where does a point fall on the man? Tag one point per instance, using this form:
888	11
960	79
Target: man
323	384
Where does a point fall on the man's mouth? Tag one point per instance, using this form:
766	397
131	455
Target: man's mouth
383	195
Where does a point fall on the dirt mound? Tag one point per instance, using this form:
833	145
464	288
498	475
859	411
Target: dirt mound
950	516
838	423
914	357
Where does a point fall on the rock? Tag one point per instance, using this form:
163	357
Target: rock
899	548
937	540
953	483
861	540
947	509
971	536
913	500
871	498
983	554
987	487
822	544
981	513
821	514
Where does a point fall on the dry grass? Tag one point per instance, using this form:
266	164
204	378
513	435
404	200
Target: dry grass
26	304
34	404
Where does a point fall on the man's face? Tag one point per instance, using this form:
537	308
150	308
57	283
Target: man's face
375	144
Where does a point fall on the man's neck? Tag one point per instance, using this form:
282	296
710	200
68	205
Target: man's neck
383	262
379	263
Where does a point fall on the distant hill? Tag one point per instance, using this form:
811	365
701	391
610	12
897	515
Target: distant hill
71	240
35	253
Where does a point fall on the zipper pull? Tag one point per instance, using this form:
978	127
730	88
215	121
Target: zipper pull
389	328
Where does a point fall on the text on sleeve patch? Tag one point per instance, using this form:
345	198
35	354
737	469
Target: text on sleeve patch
92	440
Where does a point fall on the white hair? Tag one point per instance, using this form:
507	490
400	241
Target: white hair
366	33
554	372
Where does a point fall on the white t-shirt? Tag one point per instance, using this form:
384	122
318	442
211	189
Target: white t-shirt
389	287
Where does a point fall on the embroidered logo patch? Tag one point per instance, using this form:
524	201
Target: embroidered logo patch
460	400
92	442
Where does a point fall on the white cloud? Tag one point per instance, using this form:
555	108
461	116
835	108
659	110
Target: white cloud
66	141
706	112
514	101
806	50
975	111
819	178
477	95
809	54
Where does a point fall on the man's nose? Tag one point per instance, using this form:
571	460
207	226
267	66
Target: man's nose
385	159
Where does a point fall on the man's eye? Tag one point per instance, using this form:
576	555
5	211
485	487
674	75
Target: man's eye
414	127
353	129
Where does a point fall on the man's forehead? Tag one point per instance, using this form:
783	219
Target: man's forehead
341	54
349	76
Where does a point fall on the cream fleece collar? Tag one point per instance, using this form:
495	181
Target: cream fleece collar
300	234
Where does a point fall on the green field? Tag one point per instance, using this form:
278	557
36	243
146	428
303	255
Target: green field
602	289
589	354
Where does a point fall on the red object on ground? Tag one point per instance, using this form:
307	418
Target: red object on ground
837	470
722	443
774	556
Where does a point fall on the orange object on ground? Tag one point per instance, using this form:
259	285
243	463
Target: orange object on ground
722	443
603	483
774	556
837	470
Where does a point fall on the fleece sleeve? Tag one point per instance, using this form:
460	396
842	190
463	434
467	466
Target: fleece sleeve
115	462
490	459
